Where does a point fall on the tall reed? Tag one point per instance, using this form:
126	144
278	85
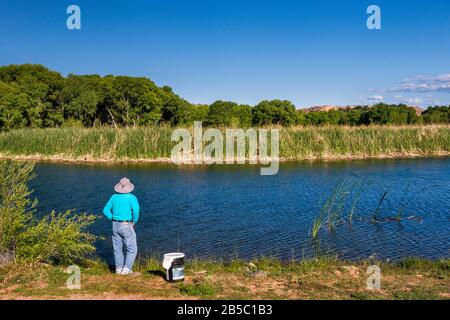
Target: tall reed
296	143
332	212
376	214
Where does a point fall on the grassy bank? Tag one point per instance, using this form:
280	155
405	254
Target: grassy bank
324	278
154	143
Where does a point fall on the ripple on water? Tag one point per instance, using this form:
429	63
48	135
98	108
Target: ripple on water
221	211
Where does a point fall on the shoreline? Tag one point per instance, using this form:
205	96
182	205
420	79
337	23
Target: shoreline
109	161
263	278
155	144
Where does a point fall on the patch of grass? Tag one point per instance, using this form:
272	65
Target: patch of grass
437	269
366	141
210	266
95	267
203	265
37	280
98	287
128	288
296	143
415	263
235	266
241	289
271	265
238	296
24	274
325	277
416	294
57	278
361	295
198	289
147	265
322	264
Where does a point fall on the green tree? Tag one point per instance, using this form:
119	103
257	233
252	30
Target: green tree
221	113
81	98
41	88
13	106
199	112
274	112
437	114
136	101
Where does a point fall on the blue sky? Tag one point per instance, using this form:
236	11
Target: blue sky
310	52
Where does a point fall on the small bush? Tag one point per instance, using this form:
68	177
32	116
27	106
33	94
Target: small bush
57	238
54	238
16	207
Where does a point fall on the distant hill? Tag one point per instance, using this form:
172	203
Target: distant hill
327	108
418	110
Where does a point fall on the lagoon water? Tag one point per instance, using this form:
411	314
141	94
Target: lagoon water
225	211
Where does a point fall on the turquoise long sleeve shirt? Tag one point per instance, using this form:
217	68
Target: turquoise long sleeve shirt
122	207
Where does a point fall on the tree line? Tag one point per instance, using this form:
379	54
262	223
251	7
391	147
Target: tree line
34	96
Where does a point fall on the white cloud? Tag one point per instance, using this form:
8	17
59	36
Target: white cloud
375	99
409	101
438	83
421	90
439	78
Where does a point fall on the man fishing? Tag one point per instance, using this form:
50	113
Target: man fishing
123	210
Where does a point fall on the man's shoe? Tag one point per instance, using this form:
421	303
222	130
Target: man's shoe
126	271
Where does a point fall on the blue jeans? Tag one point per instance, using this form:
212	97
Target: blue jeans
124	235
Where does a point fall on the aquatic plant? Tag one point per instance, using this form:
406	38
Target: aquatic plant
319	220
354	204
376	213
360	142
337	205
332	211
296	143
403	204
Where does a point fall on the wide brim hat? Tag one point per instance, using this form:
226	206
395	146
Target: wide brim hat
124	186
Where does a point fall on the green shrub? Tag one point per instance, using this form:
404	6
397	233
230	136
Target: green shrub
16	207
57	238
54	238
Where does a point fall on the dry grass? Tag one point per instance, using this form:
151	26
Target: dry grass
310	279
